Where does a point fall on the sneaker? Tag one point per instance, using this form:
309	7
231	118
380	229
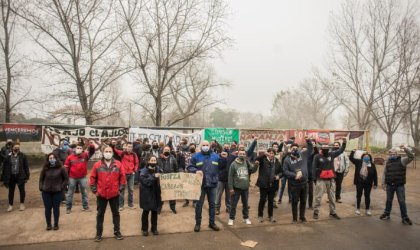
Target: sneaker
56	227
357	212
368	212
49	227
131	207
155	232
294	222
407	221
303	220
98	238
120	209
86	209
10	208
68	211
316	216
197	228
248	221
145	233
230	222
261	219
271	219
335	216
21	207
118	235
338	201
214	227
275	205
384	217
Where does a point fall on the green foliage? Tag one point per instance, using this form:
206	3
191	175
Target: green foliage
378	150
223	119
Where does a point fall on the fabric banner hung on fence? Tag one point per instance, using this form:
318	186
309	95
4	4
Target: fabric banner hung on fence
164	135
20	132
265	137
221	135
182	186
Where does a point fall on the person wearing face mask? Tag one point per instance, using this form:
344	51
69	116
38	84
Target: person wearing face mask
106	181
393	181
183	159
311	176
129	162
5	151
155	149
16	172
295	168
63	151
167	163
269	173
222	185
323	168
52	181
150	198
76	165
206	163
284	181
238	184
365	177
341	168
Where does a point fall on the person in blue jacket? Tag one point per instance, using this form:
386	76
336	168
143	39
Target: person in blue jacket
206	163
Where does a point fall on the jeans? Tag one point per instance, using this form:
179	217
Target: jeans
130	186
360	187
299	194
338	181
283	187
72	186
145	220
310	193
243	194
211	197
320	188
172	205
222	186
14	180
266	193
400	190
101	208
52	201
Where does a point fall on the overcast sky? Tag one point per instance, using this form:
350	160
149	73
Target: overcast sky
277	42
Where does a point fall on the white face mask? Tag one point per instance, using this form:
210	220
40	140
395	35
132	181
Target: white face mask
205	148
108	155
79	151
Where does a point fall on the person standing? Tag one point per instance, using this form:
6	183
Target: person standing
183	159
106	181
269	173
16	172
76	165
324	174
150	199
167	163
365	177
296	169
5	151
52	181
206	163
129	162
393	181
341	169
311	176
222	185
238	184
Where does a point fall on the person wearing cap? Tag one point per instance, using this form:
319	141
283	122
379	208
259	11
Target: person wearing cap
393	181
323	168
206	163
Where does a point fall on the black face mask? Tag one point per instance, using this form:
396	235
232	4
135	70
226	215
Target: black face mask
325	152
166	153
226	149
192	150
152	167
336	148
16	151
155	146
185	147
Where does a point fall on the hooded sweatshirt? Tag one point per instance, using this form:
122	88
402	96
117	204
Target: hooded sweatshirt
239	174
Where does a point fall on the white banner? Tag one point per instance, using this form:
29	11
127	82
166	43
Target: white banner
52	136
163	135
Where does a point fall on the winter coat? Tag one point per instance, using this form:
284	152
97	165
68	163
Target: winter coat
53	179
268	171
107	181
208	163
150	199
76	165
129	161
23	168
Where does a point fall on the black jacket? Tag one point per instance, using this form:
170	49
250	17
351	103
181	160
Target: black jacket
322	162
150	198
168	165
23	168
53	179
372	178
268	171
223	169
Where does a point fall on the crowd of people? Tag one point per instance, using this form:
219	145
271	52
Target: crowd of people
308	170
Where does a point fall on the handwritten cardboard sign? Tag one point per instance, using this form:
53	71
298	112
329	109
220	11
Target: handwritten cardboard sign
179	186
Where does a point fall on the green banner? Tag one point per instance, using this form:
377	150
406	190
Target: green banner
221	135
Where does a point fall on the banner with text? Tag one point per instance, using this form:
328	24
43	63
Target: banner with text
53	135
221	135
265	137
180	186
163	135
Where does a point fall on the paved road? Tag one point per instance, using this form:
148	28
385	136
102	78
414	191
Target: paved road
348	233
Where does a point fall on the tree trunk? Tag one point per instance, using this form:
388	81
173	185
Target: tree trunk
158	115
186	122
89	119
389	140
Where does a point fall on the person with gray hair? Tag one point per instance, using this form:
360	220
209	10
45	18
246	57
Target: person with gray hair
393	181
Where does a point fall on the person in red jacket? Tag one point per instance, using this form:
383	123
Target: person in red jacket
129	161
106	180
76	165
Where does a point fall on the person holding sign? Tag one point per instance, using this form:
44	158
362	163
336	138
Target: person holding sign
167	163
238	184
206	163
150	199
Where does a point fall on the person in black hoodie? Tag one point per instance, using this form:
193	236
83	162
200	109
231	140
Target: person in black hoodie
295	167
269	173
323	168
365	176
52	181
222	185
16	172
168	164
311	176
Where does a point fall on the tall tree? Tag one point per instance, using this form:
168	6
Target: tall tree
80	39
164	37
